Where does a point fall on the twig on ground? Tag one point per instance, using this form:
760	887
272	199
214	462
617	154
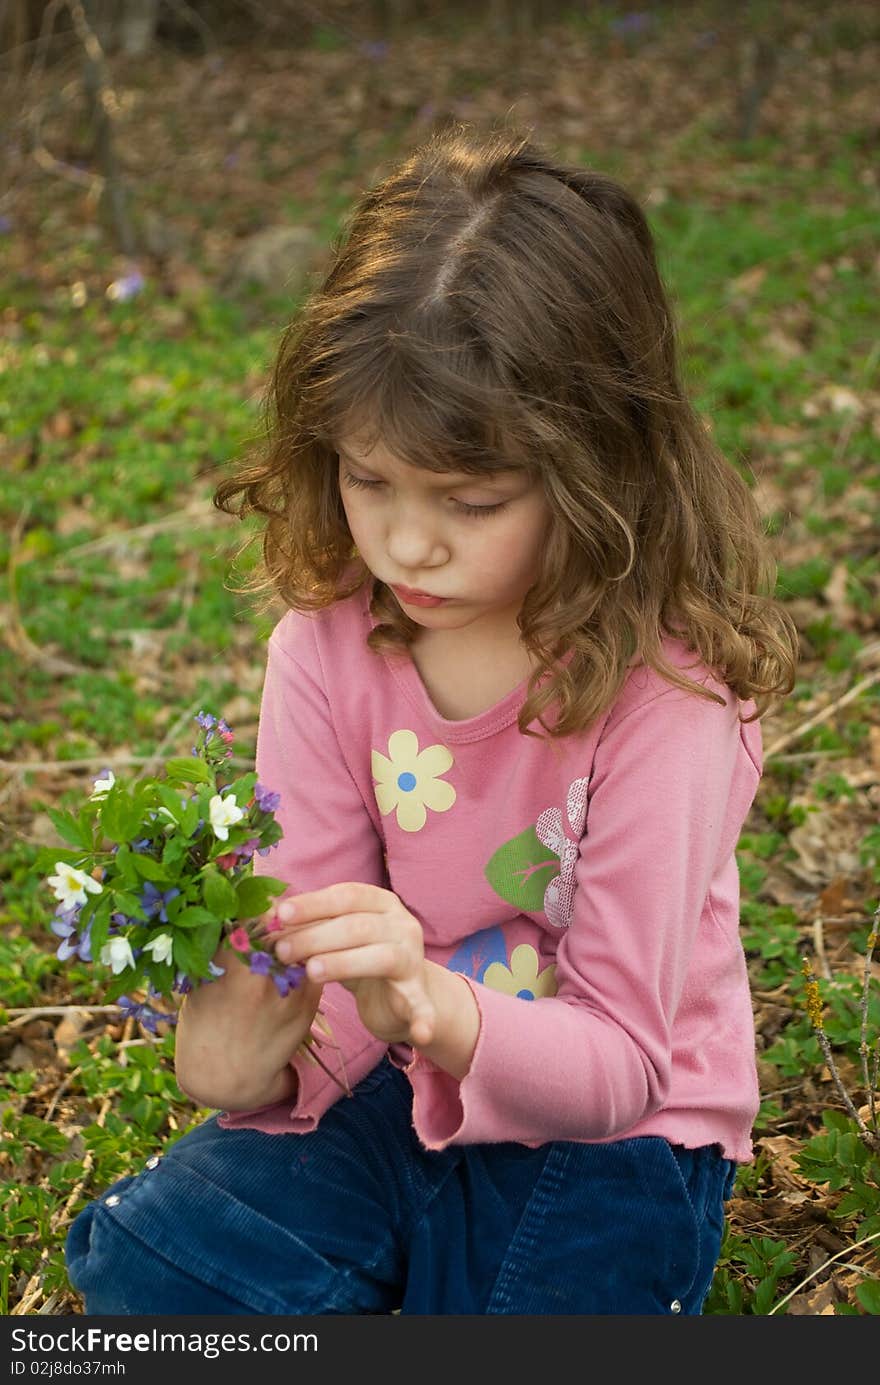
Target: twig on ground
847	1250
196	517
819	945
24	1014
59	1092
824	715
95	762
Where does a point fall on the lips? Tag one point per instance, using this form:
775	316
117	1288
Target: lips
413	591
414	598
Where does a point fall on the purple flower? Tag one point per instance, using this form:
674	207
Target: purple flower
126	288
216	971
633	23
267	801
5	225
260	962
246	850
155	900
264	850
182	984
206	721
64	927
144	1014
141	845
288	979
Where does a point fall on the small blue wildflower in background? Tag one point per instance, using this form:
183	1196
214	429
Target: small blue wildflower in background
636	22
128	287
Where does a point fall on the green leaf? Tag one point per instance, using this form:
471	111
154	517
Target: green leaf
149	868
72	831
836	1120
868	1295
113	812
47	856
521	870
193	917
219	894
193	951
254	894
764	1295
189	770
243	789
170	800
869	1227
100	922
128	904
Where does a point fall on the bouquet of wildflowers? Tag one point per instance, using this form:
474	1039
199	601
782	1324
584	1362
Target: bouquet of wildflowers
159	873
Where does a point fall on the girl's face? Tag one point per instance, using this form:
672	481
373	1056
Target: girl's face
474	540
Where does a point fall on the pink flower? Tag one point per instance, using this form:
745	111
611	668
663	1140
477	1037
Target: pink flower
227	861
274	924
239	940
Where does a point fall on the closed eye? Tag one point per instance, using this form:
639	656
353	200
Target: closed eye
476	511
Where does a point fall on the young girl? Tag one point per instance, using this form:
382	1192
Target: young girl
512	714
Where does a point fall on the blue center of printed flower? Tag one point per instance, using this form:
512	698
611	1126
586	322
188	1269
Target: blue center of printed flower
526	995
406	781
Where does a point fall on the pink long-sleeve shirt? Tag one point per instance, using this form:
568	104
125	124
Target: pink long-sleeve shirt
587	890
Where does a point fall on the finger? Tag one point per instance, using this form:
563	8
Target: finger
375	962
329	935
421	1026
344	898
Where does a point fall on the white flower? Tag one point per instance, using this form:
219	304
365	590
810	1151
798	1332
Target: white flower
103	786
117	954
70	884
224	813
160	947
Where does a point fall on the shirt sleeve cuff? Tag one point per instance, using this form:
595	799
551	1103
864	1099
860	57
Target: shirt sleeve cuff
439	1099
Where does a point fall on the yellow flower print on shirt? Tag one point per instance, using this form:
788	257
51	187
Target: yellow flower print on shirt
407	779
521	977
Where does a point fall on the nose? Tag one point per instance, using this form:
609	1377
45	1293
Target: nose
413	539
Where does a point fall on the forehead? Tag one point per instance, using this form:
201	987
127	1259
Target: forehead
374	455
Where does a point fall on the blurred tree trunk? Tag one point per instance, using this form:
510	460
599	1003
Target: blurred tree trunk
100	104
127	26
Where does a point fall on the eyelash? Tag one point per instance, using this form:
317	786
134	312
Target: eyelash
474	511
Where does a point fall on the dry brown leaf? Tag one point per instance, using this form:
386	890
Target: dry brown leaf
781	1151
816	1302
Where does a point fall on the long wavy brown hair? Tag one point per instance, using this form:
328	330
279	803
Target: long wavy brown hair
489	306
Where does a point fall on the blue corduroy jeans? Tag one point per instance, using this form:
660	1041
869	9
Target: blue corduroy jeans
357	1217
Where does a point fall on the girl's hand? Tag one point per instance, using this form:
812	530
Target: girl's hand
363	937
236	1037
